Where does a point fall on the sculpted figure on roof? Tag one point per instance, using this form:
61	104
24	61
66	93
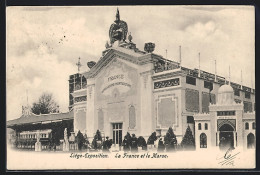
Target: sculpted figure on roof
118	30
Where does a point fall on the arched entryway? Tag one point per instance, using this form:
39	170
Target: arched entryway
250	141
203	140
226	136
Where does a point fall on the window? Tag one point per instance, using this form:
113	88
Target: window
236	92
203	140
253	125
208	85
246	126
206	126
191	80
132	117
199	126
247	106
247	95
190	119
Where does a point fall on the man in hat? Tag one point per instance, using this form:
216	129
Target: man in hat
134	147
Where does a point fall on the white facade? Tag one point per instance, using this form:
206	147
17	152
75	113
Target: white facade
226	122
129	90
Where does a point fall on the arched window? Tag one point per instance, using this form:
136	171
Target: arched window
253	125
199	126
206	126
100	120
203	140
246	126
132	117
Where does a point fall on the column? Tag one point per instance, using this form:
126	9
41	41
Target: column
90	119
217	138
235	140
146	104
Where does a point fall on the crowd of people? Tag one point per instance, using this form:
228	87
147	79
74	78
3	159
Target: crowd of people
131	143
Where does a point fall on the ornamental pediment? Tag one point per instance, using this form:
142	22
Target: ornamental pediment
119	78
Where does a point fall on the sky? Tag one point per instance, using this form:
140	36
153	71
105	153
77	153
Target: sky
44	43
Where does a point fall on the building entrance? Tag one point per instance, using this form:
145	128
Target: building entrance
117	134
226	136
250	141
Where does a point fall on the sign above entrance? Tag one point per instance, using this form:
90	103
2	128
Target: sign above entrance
118	79
115	80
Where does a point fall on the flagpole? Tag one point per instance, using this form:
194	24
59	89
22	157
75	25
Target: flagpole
199	64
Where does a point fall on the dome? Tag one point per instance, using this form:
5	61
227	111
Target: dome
225	95
225	89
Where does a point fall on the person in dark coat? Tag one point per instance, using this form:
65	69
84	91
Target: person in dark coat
161	146
107	145
126	144
134	147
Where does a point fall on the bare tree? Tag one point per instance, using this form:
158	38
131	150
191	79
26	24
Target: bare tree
45	105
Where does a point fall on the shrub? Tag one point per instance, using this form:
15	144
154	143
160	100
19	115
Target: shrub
152	138
188	141
170	140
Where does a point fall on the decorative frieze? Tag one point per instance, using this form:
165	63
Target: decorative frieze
221	122
167	83
226	113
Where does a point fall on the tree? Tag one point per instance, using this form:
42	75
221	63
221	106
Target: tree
45	105
152	138
188	141
142	143
96	143
170	140
80	139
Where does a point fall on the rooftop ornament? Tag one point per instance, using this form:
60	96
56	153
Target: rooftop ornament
149	47
130	37
118	30
91	64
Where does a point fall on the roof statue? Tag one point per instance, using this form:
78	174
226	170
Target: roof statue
118	30
130	37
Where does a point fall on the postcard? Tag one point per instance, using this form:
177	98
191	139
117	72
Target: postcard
130	87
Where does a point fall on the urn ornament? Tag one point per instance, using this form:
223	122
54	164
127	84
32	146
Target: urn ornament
91	64
149	47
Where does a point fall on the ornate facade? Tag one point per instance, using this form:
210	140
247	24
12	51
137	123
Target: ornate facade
129	90
135	91
226	124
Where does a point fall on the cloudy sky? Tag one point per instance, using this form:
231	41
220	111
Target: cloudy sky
44	43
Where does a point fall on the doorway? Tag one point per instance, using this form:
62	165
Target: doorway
250	141
117	134
226	136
